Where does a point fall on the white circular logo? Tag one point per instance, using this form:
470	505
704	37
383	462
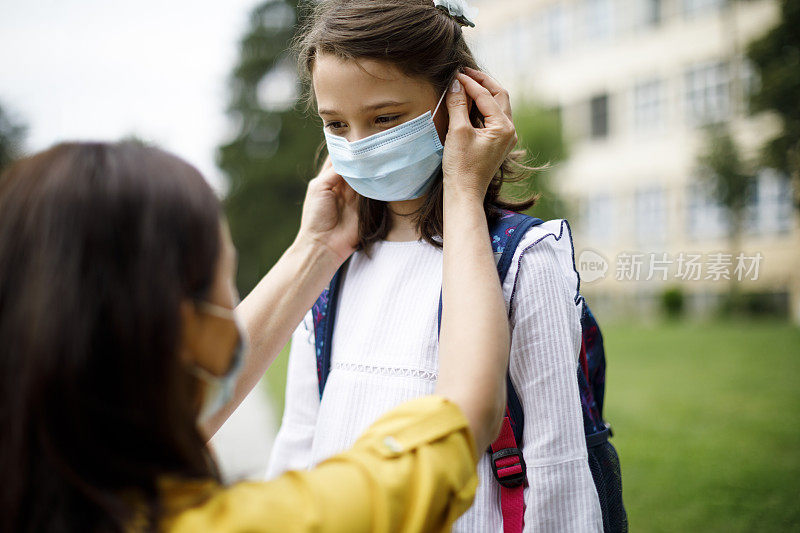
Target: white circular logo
592	266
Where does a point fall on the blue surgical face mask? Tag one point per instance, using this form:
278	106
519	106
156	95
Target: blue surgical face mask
397	164
220	389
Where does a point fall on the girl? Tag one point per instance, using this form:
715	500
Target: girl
377	68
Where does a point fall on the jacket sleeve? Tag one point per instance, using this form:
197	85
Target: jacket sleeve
545	344
292	447
413	470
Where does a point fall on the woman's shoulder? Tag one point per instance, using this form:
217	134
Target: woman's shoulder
545	254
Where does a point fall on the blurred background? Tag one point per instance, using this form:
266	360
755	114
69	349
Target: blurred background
672	130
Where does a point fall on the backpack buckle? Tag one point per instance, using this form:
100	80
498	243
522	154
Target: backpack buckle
509	474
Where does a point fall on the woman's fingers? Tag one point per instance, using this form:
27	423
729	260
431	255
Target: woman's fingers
496	121
327	177
497	90
457	107
486	103
329	180
347	192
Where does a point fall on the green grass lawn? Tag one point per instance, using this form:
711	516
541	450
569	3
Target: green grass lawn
706	420
706	425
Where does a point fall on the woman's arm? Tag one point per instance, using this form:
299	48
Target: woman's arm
327	236
412	470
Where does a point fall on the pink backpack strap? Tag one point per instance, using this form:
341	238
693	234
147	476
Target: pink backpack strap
508	466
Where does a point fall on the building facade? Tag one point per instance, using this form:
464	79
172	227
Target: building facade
636	82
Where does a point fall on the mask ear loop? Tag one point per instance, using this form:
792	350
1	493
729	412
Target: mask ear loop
441	99
447	88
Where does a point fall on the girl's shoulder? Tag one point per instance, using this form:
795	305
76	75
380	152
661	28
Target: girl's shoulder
546	253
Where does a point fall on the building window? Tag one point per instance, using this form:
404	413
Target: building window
523	46
648	105
555	28
598	19
771	203
706	218
651	12
751	82
599	116
696	7
598	218
651	215
707	93
506	53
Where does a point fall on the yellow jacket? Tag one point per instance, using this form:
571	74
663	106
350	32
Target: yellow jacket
413	470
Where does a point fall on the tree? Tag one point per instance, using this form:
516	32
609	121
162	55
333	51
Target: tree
540	132
731	180
776	61
12	136
271	158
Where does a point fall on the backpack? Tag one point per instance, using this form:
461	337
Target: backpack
508	464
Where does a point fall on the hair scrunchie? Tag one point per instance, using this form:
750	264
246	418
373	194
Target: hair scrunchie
458	10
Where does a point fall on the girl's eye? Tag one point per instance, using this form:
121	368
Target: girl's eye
387	119
334	125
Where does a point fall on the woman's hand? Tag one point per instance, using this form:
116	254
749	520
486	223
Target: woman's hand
330	214
473	155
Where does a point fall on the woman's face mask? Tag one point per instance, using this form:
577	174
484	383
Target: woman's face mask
219	389
396	164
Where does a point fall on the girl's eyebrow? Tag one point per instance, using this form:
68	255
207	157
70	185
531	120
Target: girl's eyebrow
369	107
379	105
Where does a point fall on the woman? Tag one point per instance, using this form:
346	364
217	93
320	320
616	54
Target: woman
117	333
378	69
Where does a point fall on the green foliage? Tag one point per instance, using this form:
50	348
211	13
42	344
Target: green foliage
761	304
732	181
776	60
12	136
271	158
730	177
540	132
755	305
672	302
703	424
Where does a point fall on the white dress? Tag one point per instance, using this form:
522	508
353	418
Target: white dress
384	352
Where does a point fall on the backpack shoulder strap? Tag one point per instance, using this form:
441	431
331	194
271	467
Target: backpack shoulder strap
507	461
506	234
324	314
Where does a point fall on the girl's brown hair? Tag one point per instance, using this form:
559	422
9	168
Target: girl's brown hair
424	42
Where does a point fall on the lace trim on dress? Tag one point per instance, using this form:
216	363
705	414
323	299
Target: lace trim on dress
387	370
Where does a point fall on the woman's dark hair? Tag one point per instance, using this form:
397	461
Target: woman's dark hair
422	41
99	245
